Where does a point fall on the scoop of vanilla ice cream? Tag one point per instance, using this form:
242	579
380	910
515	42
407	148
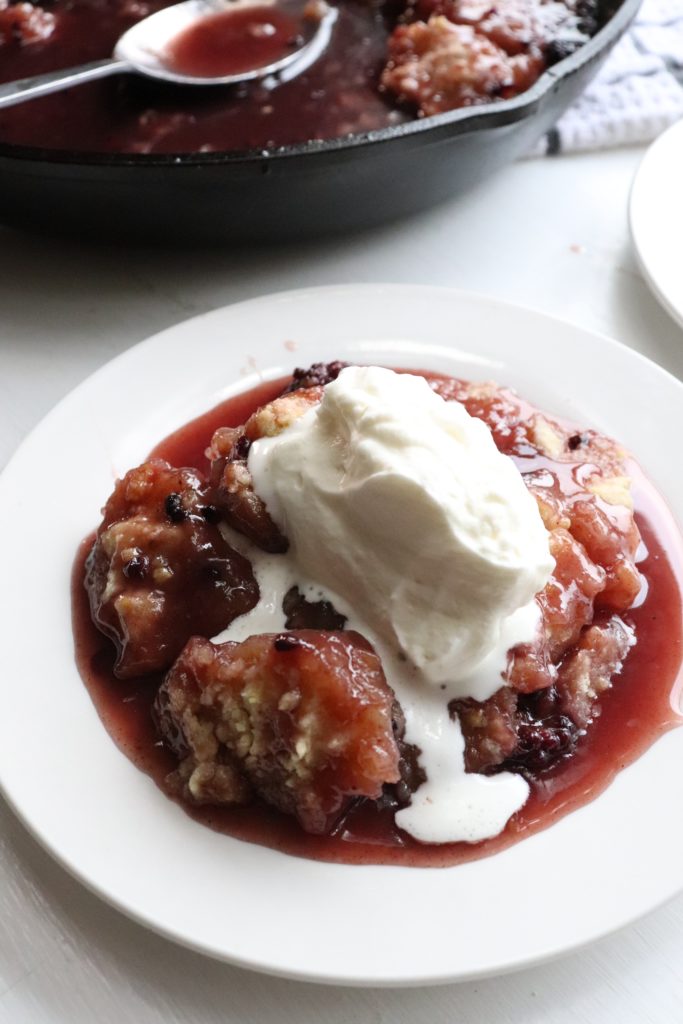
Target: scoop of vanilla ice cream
401	504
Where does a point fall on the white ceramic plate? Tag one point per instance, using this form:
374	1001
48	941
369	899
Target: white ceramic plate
656	219
109	825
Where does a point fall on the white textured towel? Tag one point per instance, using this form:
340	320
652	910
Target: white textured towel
637	93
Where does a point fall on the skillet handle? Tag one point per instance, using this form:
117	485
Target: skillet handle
40	85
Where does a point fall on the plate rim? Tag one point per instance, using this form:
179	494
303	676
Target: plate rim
675	310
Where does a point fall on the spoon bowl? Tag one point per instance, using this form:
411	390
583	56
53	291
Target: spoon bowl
145	46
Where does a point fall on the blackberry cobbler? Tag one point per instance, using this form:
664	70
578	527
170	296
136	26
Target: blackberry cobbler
264	702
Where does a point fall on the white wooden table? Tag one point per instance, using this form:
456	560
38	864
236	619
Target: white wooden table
549	234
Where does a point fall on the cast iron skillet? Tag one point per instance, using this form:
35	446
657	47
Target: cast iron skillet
297	191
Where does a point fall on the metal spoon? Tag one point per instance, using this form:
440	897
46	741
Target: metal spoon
141	50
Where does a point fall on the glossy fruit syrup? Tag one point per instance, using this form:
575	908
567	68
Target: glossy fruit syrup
337	95
233	42
642	704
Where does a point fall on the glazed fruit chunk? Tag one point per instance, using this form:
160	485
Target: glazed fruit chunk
437	66
531	732
231	485
302	719
553	686
553	28
589	670
456	53
160	571
489	728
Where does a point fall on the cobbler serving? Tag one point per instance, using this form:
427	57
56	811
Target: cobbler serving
388	61
378	616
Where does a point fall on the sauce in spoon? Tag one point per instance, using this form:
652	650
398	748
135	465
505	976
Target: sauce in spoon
234	41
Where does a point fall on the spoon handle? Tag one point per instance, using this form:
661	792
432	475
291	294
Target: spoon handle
53	81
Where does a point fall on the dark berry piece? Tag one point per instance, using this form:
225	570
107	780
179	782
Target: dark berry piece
173	506
285	643
136	567
317	375
213	572
303	614
558	49
242	446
